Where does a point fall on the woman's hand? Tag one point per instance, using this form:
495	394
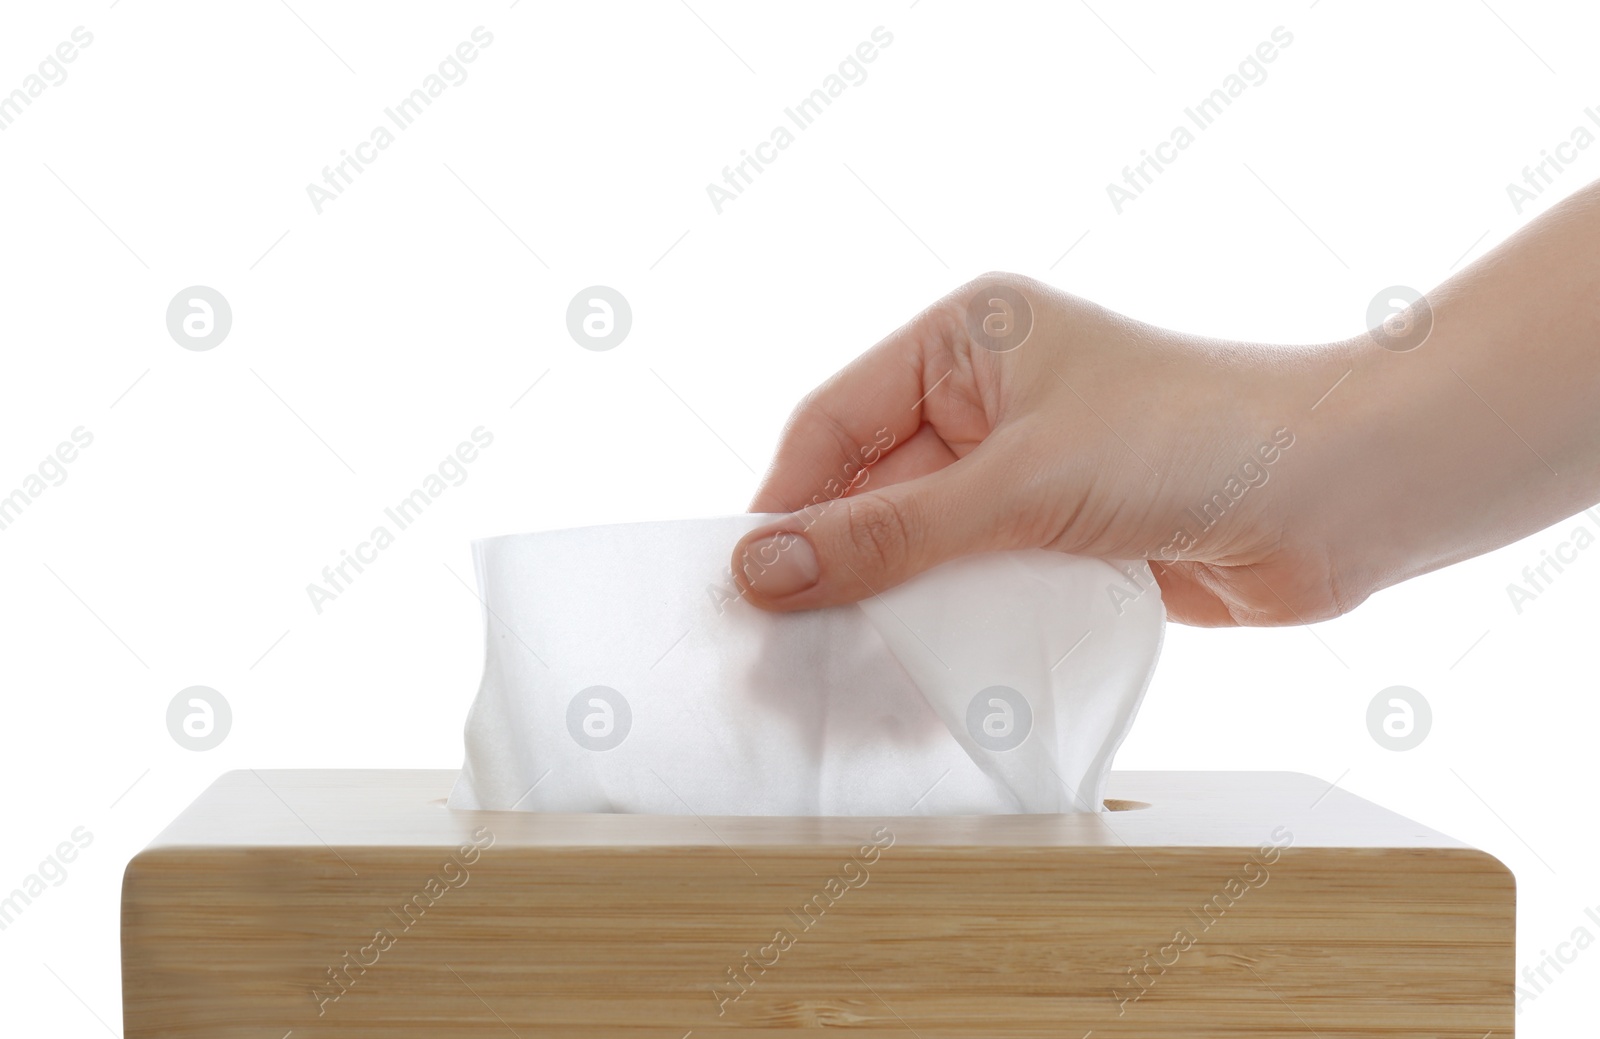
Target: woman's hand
1010	415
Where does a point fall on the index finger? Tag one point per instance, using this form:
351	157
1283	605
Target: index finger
857	416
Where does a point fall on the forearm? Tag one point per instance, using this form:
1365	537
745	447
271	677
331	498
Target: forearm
1489	430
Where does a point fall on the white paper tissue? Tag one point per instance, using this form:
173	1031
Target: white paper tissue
623	674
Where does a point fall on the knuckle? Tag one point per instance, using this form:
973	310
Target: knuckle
941	328
829	446
1020	282
878	528
974	305
806	413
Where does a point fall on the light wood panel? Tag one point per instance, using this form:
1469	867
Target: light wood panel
1354	922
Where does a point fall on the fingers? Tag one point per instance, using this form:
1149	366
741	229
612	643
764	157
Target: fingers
1211	595
1188	600
856	418
853	547
924	453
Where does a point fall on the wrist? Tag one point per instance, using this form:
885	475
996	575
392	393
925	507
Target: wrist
1407	461
1351	410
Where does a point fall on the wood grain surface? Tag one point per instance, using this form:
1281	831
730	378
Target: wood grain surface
354	904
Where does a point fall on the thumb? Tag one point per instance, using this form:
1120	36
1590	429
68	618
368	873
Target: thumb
854	547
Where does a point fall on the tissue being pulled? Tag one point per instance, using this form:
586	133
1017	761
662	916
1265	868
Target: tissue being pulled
625	674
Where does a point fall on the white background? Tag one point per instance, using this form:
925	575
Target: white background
370	339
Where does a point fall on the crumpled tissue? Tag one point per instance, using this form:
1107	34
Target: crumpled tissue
624	673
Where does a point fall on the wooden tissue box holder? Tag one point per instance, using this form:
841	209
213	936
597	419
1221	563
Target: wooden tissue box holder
1211	905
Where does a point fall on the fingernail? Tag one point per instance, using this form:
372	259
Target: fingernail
780	565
